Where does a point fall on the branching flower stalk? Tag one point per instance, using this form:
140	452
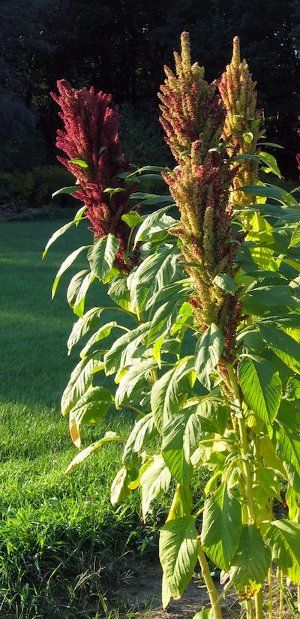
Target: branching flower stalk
193	118
243	122
96	158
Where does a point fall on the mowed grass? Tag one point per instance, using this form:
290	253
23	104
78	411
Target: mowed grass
62	545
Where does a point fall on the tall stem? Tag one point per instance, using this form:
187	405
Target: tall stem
270	581
259	605
210	586
259	614
280	578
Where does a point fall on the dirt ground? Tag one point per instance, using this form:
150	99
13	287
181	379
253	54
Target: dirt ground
143	594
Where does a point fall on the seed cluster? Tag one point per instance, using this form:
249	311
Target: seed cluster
193	118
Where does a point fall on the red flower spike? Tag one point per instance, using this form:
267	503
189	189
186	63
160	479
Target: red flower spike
90	134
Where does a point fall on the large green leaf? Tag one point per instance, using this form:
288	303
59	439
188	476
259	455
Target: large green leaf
119	487
124	348
91	407
165	394
261	387
83	325
251	563
295	240
119	293
283	345
209	351
180	438
79	381
102	255
222	527
283	537
77	290
65	265
178	550
142	280
155	225
102	333
143	429
155	480
136	375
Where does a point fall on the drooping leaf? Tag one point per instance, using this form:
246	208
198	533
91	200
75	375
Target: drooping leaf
85	453
123	349
143	429
261	387
180	437
77	290
178	550
283	537
154	219
79	162
222	527
155	480
82	326
136	375
91	407
102	333
119	488
209	351
102	255
251	563
79	381
65	265
283	345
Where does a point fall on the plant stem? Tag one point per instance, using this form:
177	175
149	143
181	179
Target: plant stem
280	579
210	586
259	605
270	581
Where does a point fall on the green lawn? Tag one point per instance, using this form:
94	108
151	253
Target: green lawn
62	544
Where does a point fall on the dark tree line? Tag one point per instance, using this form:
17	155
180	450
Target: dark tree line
121	45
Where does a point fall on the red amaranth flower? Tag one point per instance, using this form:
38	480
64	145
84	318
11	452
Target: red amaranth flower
90	134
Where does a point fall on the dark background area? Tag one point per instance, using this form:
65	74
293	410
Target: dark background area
120	46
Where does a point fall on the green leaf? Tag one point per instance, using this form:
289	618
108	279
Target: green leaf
119	293
102	255
222	527
166	391
132	219
102	333
124	348
155	480
136	375
77	290
67	190
151	199
209	351
152	220
56	235
261	387
143	429
276	193
283	537
270	297
65	265
271	163
295	240
79	162
248	137
225	282
177	435
91	407
83	325
109	437
79	382
283	345
142	280
113	190
213	415
119	488
251	563
178	550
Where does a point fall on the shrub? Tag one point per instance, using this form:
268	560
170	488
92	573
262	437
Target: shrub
205	321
